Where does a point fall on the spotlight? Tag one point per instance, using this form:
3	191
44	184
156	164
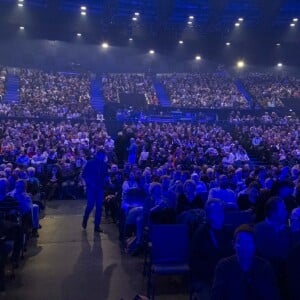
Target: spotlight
20	0
292	24
241	19
191	17
20	4
295	20
237	24
190	22
228	44
278	44
104	45
279	65
134	19
151	51
198	57
240	64
83	13
180	42
130	39
136	13
83	7
22	27
79	34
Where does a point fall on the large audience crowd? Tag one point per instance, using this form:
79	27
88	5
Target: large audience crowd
194	174
200	176
115	84
207	90
272	138
54	95
269	90
51	95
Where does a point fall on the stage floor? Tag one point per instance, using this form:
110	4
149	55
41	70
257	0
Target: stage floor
67	263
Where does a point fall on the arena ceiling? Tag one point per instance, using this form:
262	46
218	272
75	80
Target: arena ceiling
197	26
155	16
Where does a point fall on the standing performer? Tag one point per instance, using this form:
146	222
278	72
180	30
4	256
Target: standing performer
95	174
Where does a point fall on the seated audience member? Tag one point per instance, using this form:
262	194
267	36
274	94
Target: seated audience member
248	199
23	160
34	188
223	192
113	194
130	183
166	192
157	200
132	214
9	229
30	211
238	180
53	181
160	208
188	199
293	272
274	238
200	185
295	225
285	189
210	243
244	275
297	194
265	194
39	158
68	180
19	193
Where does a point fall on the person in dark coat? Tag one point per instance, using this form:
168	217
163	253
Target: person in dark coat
293	273
188	199
95	175
210	243
244	276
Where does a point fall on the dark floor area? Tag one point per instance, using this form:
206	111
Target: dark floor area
66	263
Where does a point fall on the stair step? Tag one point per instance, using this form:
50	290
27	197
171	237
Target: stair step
162	95
12	87
97	98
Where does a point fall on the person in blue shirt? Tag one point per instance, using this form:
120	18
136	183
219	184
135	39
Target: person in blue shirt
95	175
132	151
23	160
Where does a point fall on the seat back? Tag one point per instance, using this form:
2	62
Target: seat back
233	219
163	216
203	196
10	210
135	195
170	243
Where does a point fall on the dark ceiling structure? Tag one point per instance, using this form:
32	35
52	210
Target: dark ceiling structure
56	19
203	26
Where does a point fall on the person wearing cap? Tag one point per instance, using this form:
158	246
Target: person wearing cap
95	175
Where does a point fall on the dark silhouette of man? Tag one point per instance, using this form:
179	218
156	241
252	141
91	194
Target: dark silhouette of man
95	174
244	276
